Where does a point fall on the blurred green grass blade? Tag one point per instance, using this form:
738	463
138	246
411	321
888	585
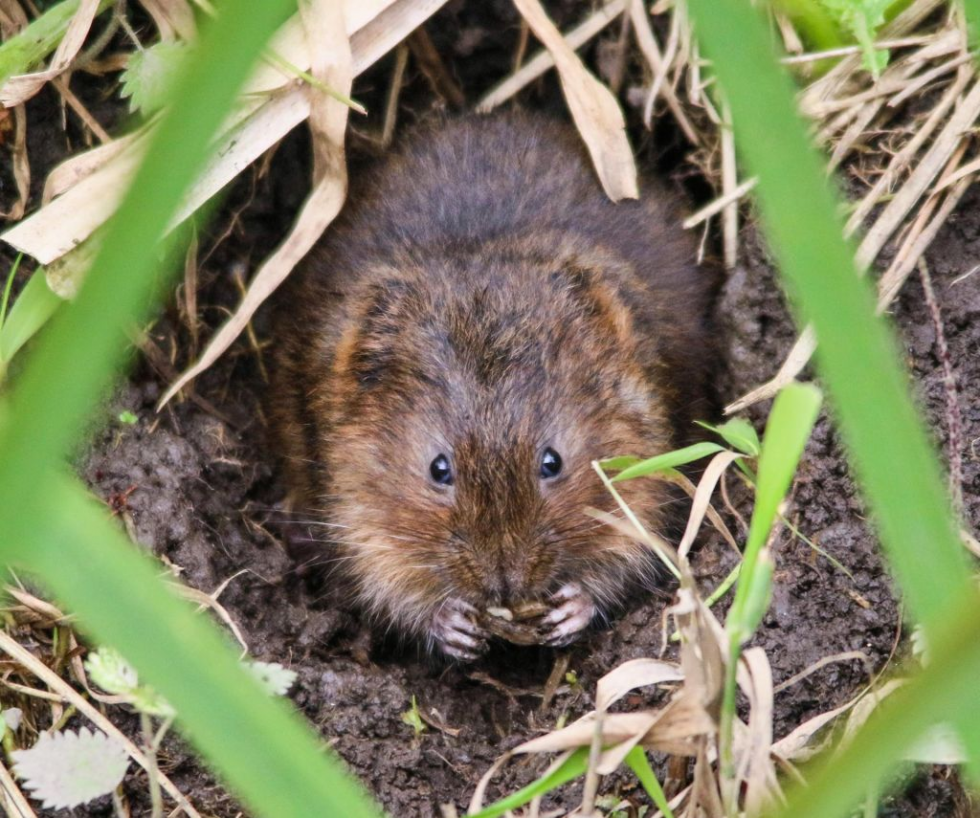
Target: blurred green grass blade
857	357
668	460
265	753
275	764
76	357
574	766
638	762
30	311
945	691
25	50
895	465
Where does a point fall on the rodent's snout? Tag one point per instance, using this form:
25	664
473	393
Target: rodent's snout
509	577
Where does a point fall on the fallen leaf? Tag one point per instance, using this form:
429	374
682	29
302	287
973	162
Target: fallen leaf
331	64
593	107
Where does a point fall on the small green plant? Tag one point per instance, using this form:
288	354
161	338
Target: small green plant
148	79
413	718
777	456
861	19
115	675
127	418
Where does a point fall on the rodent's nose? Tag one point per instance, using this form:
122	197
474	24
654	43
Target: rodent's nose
508	582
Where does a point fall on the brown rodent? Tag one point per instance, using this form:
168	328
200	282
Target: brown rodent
478	326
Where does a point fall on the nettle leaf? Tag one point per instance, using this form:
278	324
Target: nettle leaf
113	674
863	18
273	677
149	75
67	769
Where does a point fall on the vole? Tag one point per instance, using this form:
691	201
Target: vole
479	325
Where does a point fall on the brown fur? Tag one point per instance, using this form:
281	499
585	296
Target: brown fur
481	297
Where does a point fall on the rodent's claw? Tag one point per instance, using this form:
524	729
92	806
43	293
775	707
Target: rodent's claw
574	612
455	629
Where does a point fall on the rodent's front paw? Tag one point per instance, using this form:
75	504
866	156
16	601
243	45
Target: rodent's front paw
455	629
573	612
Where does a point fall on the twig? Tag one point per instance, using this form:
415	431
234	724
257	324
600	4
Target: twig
729	183
924	174
908	152
954	417
921	235
847	50
394	94
435	71
153	771
924	79
543	60
659	66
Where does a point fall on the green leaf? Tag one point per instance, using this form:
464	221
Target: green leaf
413	718
31	310
128	418
790	422
737	433
638	762
574	766
863	18
149	76
618	463
668	460
115	675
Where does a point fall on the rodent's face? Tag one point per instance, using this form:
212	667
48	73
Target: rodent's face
463	429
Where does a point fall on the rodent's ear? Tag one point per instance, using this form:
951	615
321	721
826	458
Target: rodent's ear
590	289
367	348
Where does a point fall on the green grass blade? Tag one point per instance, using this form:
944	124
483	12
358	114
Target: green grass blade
790	422
264	751
793	414
574	766
25	51
33	308
276	765
638	762
857	357
668	460
737	433
945	691
84	345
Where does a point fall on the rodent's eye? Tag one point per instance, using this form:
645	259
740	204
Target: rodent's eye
550	463
441	471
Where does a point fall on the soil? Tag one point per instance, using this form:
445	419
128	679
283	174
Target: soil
199	489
